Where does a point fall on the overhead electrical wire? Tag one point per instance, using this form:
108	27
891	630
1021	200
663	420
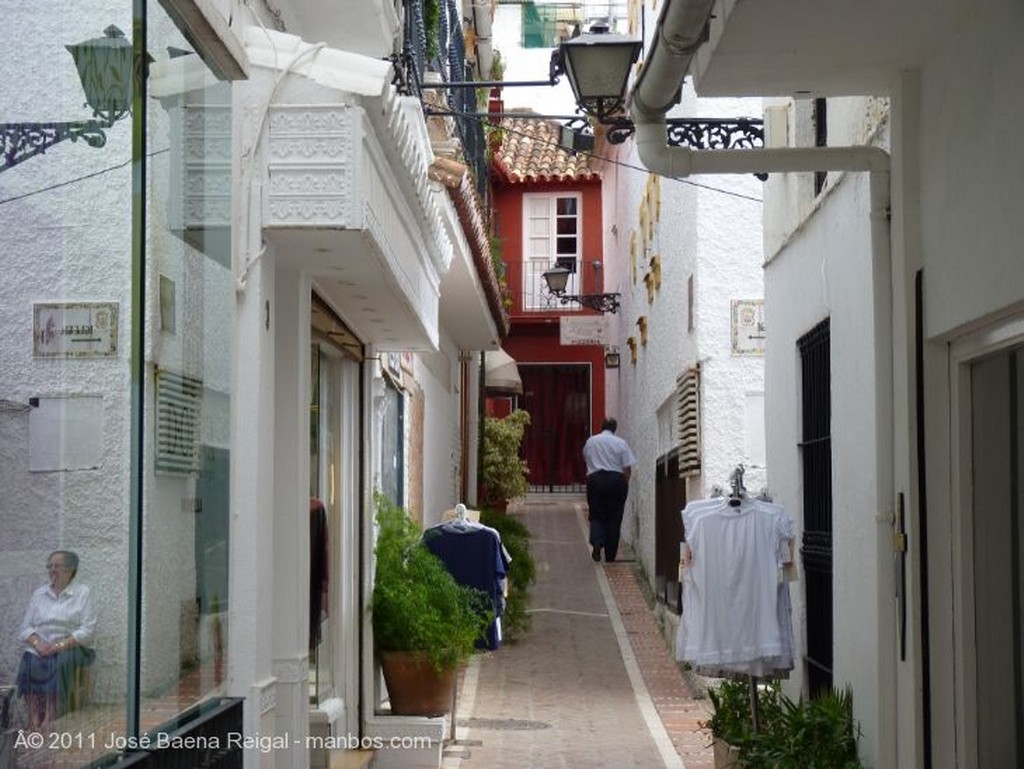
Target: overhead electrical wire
447	113
67	182
527	116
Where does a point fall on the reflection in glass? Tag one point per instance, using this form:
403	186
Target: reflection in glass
65	405
185	597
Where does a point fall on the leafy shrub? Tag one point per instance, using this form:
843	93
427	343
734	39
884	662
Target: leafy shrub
817	733
522	571
416	604
503	470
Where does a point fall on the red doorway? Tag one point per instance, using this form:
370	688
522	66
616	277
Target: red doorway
557	398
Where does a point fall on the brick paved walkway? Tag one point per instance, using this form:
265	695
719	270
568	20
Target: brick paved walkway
672	693
567	694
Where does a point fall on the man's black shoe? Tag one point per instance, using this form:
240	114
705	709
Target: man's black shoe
596	553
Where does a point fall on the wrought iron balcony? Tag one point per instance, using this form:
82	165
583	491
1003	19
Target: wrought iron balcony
445	57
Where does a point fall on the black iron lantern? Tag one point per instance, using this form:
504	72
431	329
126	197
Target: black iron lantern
105	69
597	65
557	278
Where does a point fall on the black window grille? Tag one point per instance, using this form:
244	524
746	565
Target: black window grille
816	454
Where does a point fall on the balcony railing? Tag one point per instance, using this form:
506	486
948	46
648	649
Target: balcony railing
534	295
448	62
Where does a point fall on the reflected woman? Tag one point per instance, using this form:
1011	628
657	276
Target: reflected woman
57	631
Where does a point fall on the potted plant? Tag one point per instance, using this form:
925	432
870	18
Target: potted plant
425	624
503	471
819	733
730	721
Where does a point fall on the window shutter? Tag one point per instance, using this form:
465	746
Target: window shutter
177	422
688	414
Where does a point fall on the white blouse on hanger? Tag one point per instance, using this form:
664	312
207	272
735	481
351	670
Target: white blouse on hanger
736	606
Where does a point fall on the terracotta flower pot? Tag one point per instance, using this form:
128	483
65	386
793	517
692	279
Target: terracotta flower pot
415	687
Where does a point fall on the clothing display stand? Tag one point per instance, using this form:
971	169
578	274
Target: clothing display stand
737	492
710	532
475	557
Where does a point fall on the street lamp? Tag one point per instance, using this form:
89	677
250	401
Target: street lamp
597	65
556	279
105	67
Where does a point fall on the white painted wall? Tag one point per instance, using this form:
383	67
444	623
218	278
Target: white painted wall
957	176
826	274
438	375
64	223
972	172
708	228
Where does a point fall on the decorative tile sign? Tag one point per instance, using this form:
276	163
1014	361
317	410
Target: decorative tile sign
75	330
589	329
748	332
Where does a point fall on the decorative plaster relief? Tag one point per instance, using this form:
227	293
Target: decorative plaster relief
266	693
397	240
201	178
311	178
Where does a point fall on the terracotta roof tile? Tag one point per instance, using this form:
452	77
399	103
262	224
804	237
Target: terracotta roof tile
530	152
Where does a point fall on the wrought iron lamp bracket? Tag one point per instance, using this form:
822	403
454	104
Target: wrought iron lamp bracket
699	133
22	141
600	302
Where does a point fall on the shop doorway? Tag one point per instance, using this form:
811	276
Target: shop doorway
334	409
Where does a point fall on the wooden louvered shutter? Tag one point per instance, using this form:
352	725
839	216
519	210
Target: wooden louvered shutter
688	414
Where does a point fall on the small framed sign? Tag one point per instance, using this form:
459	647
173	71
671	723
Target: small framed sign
585	330
75	330
748	332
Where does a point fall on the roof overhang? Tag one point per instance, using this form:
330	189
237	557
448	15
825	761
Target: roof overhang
812	48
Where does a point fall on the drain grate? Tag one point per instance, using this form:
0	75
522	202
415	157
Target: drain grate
504	724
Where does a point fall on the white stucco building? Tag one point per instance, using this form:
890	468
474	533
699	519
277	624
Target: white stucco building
686	256
893	292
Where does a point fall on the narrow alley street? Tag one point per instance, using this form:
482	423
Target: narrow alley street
592	684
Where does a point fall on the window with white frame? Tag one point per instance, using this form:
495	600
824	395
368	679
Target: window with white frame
552	237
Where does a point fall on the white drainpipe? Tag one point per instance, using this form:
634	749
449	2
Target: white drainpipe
655	92
480	16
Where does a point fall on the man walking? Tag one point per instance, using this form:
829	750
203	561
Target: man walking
609	464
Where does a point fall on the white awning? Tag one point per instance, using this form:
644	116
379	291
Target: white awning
501	374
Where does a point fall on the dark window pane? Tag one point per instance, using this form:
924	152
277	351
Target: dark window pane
566	207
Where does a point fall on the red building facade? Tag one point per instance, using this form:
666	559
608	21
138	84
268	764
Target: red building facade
547	213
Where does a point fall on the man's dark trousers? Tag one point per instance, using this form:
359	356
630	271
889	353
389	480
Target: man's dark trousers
606	498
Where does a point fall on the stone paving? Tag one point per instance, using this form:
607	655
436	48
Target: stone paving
592	684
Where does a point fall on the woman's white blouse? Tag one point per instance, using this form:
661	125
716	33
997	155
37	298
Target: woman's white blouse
51	617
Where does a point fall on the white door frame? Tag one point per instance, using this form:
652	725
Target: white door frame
963	352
